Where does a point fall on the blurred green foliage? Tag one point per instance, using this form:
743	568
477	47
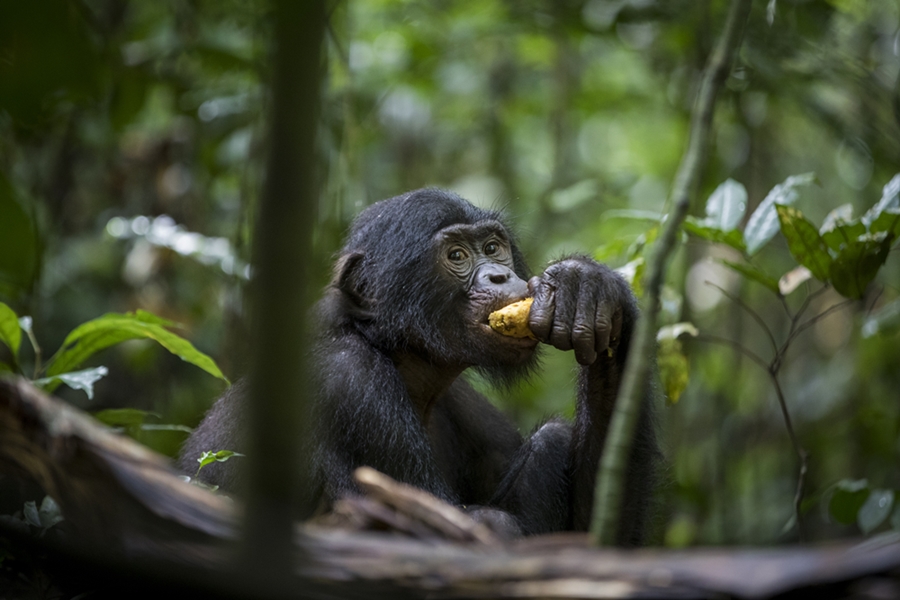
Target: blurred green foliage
131	136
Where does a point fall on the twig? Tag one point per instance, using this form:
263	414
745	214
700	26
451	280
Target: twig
611	473
749	310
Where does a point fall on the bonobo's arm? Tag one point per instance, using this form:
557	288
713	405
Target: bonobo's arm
582	305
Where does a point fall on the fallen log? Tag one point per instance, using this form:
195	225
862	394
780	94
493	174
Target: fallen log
129	516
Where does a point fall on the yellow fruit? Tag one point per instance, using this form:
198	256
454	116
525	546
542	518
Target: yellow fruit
512	320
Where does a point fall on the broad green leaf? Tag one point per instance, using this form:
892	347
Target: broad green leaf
10	332
804	242
612	250
887	318
888	221
726	205
890	200
754	274
699	228
77	380
846	500
91	337
763	223
843	234
5	368
875	510
858	263
123	417
674	368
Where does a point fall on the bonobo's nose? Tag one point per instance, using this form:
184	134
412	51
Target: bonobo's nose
494	276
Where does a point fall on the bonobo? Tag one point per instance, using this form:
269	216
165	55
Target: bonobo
404	316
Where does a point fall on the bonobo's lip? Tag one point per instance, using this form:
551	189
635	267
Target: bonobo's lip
525	342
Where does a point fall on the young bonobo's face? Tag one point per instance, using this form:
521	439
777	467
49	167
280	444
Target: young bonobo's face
479	259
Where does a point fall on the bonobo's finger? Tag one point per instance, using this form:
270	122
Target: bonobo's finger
615	335
603	326
583	331
561	330
540	318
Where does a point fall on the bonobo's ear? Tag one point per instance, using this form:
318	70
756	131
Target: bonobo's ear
348	279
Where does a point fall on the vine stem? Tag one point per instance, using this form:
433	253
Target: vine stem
611	472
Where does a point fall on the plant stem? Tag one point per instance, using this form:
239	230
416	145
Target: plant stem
611	474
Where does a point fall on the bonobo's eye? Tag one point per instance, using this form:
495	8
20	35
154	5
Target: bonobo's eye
491	248
457	255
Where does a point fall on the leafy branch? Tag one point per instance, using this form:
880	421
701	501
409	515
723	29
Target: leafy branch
611	473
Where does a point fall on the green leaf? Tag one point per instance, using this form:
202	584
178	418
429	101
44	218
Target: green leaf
890	201
888	221
208	458
108	330
123	417
676	330
791	280
632	214
674	368
77	380
699	228
726	206
843	234
846	500
858	263
763	223
10	332
875	510
754	274
804	242
839	216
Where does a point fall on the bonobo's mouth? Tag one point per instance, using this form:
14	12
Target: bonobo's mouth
523	342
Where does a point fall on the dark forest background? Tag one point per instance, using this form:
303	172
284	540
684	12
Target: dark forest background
131	156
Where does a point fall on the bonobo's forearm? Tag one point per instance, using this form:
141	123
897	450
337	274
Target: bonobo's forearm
598	386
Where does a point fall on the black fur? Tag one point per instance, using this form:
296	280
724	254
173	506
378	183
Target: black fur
403	317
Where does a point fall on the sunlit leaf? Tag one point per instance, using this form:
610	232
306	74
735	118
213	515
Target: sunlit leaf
804	242
726	205
763	223
674	368
791	280
858	263
875	510
165	427
698	228
839	216
754	274
10	332
108	330
207	458
890	200
77	380
846	500
676	330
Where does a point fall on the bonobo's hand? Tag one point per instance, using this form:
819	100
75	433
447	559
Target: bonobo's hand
580	304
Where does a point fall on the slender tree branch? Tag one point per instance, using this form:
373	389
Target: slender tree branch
749	310
611	474
813	320
705	337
